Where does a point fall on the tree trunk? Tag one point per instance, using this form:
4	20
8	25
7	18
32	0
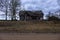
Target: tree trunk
6	12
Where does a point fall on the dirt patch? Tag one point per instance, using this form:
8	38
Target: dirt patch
30	36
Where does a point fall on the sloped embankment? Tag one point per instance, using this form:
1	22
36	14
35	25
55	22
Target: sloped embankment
30	26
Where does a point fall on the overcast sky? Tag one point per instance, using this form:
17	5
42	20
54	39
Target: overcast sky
45	5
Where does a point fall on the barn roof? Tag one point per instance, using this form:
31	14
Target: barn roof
32	13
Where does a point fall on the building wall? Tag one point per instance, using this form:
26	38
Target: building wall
30	16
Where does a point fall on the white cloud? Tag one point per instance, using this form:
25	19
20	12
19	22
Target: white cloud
45	5
1	12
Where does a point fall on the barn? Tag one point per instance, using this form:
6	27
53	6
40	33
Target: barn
31	15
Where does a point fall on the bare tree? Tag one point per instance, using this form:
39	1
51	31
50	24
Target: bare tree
4	4
13	8
6	7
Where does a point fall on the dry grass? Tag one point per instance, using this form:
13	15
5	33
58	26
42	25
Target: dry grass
30	26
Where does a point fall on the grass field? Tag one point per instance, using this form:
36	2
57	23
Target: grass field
30	26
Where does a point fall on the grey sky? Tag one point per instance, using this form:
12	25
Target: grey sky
44	5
